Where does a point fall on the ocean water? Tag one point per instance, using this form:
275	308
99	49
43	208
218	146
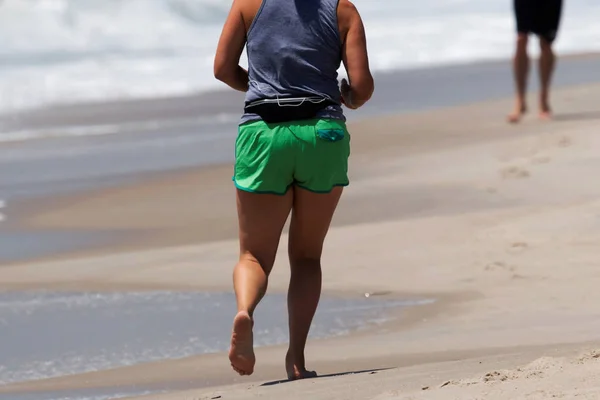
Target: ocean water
46	334
67	51
90	394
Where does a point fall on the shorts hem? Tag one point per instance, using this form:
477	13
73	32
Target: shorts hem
245	189
324	191
544	35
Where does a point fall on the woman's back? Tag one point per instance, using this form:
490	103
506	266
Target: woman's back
294	50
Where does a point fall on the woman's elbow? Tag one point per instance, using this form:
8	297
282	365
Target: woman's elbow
369	88
220	72
223	71
363	89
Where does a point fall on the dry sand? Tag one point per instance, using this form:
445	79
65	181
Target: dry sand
500	223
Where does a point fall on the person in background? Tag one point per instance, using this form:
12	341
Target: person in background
292	149
542	18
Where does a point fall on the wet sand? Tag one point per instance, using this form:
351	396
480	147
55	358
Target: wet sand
165	139
52	334
194	205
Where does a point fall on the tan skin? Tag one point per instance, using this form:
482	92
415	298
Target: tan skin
521	66
262	216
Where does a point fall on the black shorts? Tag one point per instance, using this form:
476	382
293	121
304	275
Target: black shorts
540	17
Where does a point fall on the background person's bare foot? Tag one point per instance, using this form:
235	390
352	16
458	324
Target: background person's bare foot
241	353
516	115
545	112
296	370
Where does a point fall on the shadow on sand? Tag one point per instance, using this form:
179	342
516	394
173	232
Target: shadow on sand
578	116
366	371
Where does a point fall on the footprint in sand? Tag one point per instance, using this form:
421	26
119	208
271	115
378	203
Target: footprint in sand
541	160
564	141
514	172
504	268
588	356
490	190
518	247
499	266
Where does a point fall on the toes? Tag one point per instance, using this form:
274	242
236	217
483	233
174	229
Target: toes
513	119
239	371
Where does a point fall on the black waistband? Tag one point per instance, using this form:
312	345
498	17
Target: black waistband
287	109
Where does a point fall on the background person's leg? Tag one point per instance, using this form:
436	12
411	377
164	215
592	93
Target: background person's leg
521	73
311	217
546	69
549	21
525	15
261	220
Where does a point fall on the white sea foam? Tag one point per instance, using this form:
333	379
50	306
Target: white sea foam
65	51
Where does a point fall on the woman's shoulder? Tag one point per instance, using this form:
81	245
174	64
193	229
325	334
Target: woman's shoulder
347	8
347	14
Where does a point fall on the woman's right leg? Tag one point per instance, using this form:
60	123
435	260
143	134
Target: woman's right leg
311	217
261	220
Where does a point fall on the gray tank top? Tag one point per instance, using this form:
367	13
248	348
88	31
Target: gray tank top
294	50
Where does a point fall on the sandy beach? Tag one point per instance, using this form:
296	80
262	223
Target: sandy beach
499	223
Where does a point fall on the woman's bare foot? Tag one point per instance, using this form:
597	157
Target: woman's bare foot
241	353
516	115
296	370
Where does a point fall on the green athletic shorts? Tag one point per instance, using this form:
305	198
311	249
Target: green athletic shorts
312	154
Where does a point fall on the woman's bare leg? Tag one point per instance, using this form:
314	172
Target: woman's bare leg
261	220
311	216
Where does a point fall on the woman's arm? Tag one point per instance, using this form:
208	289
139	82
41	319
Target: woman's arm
227	67
354	55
